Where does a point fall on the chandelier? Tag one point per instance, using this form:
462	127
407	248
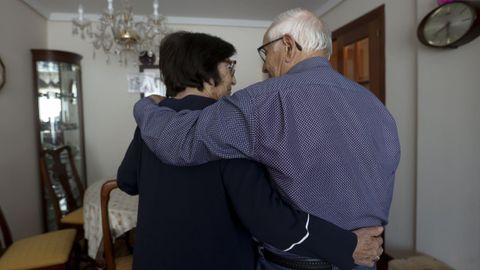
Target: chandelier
117	33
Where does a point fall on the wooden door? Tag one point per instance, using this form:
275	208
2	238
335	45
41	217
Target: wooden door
359	51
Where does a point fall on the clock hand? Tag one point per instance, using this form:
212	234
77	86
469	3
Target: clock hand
448	31
435	34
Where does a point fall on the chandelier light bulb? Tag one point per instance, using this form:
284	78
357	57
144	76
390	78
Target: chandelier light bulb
155	8
80	12
110	7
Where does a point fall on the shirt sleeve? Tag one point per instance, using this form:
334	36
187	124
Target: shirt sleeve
223	130
128	172
272	220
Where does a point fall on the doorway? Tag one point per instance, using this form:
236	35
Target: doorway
358	51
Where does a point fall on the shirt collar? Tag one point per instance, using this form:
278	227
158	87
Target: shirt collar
309	64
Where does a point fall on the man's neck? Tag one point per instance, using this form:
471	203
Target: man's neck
308	55
302	57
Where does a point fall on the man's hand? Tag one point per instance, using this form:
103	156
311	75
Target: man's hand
156	98
369	246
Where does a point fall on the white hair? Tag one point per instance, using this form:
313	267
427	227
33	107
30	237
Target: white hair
306	28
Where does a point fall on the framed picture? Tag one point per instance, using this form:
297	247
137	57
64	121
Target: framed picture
147	82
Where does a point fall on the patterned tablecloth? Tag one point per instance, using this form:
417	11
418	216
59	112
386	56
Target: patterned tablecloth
122	214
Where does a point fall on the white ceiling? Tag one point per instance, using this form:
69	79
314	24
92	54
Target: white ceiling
260	12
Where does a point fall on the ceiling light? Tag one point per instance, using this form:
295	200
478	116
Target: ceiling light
117	33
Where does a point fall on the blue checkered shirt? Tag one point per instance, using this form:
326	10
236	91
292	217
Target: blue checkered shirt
330	145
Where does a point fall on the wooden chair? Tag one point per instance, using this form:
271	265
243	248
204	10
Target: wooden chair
55	166
111	263
44	251
62	183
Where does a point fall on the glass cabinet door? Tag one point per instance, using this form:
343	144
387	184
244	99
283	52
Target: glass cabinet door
57	81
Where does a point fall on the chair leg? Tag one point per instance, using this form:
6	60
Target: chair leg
81	260
129	239
75	265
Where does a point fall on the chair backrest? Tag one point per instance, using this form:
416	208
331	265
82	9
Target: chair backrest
61	180
6	235
109	254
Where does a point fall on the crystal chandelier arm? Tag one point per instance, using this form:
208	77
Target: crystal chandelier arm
81	25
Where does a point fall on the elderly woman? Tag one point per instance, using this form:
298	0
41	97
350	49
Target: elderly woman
204	217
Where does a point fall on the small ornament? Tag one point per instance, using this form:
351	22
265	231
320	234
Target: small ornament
147	57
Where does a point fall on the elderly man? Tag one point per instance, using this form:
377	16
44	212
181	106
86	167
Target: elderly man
329	144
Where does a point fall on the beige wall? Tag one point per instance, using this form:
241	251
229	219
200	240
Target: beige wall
434	97
21	30
109	123
448	181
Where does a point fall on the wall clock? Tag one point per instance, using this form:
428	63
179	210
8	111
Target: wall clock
450	25
2	74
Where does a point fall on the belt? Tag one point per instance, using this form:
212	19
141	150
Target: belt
295	264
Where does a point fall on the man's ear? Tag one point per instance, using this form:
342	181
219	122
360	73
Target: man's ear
291	49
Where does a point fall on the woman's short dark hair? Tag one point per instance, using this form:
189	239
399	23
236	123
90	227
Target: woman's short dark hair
190	59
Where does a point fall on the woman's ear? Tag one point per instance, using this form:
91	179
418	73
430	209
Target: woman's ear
208	86
210	83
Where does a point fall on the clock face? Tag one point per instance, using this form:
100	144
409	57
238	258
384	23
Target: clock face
448	24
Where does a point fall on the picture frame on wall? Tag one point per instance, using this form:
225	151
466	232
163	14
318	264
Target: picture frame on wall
147	82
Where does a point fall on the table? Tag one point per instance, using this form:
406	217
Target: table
122	210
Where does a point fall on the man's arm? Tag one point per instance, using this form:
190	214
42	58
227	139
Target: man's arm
271	220
127	173
222	130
